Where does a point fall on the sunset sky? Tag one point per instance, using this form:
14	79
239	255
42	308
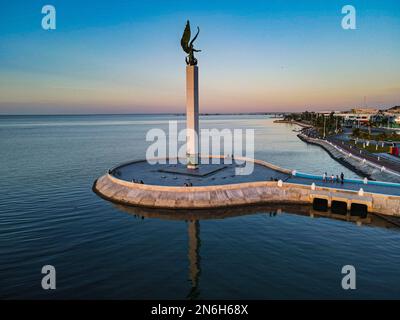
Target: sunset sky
125	56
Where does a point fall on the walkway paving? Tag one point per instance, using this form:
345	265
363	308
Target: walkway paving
349	186
388	163
156	175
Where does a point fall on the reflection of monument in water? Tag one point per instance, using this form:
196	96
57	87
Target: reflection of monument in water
193	218
194	256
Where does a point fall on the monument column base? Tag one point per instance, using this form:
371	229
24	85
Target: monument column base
192	161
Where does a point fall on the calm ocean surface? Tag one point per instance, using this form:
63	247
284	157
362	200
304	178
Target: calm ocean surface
49	215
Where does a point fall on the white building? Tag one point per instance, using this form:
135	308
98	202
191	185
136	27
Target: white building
354	118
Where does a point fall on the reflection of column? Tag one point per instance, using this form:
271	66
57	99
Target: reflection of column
194	256
192	116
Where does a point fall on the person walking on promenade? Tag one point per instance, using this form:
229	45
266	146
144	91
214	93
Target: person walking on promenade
342	178
337	179
324	176
332	178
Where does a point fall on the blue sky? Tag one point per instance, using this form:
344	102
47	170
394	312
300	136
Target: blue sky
124	56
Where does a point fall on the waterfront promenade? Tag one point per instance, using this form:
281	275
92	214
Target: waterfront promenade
157	175
363	163
375	158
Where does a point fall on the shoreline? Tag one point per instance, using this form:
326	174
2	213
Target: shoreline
343	162
352	161
300	124
361	166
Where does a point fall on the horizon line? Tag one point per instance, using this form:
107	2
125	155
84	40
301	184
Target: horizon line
141	113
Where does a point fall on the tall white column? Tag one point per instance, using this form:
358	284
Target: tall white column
192	116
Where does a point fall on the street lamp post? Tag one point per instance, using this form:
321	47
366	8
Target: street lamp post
336	124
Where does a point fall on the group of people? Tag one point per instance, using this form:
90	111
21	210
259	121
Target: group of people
333	178
137	181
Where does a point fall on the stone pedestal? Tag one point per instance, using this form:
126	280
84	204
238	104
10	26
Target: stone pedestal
192	116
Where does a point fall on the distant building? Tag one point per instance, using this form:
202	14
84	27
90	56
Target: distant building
364	111
385	117
350	119
363	116
379	117
395	109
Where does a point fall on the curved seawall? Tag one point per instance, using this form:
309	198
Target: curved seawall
240	194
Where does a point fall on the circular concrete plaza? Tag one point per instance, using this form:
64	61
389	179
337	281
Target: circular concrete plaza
217	185
226	171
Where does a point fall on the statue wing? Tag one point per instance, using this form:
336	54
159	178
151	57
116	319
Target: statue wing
195	37
186	38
